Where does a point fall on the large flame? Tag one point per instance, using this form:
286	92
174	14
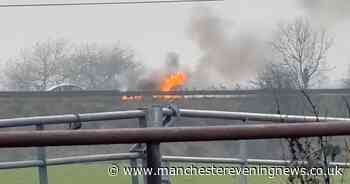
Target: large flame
170	83
173	82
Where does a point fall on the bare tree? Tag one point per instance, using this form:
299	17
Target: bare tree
55	61
300	56
94	67
37	68
302	50
274	76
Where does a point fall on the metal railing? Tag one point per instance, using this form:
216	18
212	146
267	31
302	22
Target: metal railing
154	134
344	91
174	159
40	121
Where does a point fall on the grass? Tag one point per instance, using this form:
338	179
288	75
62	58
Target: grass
97	174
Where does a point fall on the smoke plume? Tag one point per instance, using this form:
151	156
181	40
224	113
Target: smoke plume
227	58
232	57
152	80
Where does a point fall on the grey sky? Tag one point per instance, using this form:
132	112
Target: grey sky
154	30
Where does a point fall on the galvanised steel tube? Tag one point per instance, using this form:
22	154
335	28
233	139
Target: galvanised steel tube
92	158
232	161
207	160
191	113
217	160
173	134
192	93
70	160
126	156
71	118
21	164
226	160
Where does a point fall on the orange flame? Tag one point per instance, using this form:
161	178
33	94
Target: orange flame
128	98
173	82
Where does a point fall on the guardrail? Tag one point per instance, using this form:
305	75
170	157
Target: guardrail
154	134
174	159
70	160
345	91
174	134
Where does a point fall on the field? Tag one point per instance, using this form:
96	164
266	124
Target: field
97	174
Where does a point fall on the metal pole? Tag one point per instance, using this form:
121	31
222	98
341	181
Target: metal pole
192	113
104	116
41	155
134	178
154	159
243	155
139	148
173	134
165	160
153	163
166	179
187	94
62	119
143	124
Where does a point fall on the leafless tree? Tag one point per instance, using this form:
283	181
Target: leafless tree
300	58
274	76
37	68
302	50
55	61
94	67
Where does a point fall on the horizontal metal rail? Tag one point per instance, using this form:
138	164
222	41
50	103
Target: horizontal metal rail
130	114
92	158
216	160
344	91
70	160
173	134
208	160
21	164
71	118
192	113
302	126
173	159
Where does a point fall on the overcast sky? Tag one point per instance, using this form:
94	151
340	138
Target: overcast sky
154	30
150	29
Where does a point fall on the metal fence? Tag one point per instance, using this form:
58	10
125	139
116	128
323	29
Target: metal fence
70	93
152	132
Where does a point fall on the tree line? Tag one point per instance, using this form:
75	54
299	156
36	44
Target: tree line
297	61
89	66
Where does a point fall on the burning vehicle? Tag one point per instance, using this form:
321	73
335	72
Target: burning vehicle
171	82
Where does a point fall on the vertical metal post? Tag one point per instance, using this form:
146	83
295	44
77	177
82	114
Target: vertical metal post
143	124
41	155
144	165
166	179
155	116
153	163
134	178
154	119
243	155
140	148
